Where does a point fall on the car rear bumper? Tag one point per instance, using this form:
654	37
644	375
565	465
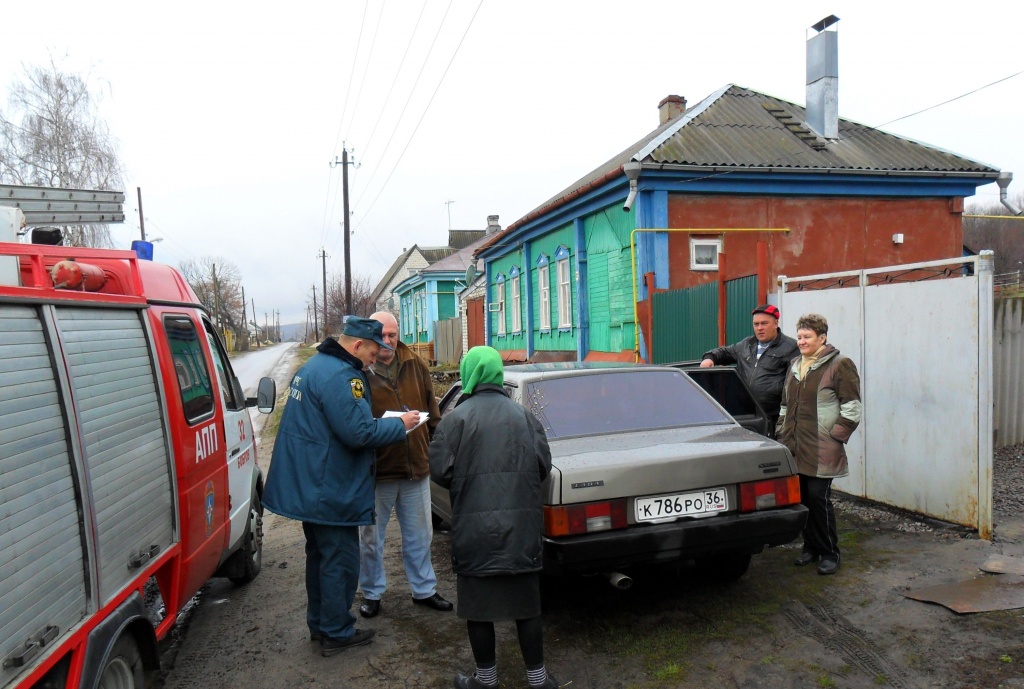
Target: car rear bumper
660	543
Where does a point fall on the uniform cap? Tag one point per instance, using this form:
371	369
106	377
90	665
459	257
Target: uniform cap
366	329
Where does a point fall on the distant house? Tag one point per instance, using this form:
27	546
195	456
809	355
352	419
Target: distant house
778	188
431	294
415	259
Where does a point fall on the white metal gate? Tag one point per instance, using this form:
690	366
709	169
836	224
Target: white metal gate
921	336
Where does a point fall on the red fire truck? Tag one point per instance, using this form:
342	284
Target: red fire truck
128	472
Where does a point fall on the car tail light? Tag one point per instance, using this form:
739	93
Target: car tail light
762	495
567	520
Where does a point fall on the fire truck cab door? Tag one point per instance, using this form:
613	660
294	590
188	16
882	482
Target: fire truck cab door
238	439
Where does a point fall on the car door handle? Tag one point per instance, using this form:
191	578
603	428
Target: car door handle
236	451
31	648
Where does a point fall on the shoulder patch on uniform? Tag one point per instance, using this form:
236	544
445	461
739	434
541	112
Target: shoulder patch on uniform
357	388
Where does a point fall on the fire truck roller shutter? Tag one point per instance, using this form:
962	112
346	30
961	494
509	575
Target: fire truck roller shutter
43	585
125	445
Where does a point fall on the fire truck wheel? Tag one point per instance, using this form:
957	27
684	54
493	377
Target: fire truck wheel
124	666
253	547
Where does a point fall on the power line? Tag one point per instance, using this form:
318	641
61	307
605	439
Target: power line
366	69
412	91
348	89
425	110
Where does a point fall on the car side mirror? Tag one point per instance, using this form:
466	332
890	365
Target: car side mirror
266	396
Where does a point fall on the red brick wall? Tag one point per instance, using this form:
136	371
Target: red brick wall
827	234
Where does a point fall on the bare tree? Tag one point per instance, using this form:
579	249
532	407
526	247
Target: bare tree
1005	237
362	301
52	136
218	284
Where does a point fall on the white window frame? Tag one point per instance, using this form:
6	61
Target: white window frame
544	288
695	242
501	307
564	293
517	312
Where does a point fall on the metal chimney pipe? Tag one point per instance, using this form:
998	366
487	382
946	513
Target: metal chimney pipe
823	79
1003	180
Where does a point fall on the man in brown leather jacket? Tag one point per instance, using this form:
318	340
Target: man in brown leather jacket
400	381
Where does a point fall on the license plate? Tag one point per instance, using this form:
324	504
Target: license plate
672	506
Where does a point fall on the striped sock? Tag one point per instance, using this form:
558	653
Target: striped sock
537	677
487	675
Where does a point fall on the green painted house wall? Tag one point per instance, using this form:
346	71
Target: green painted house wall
610	280
447	301
555	339
502	267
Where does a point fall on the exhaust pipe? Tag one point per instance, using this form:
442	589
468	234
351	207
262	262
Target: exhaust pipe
619	580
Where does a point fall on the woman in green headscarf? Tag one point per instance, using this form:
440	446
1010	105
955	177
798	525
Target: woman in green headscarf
492	455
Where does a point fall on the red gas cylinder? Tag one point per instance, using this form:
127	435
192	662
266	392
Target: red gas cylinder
80	276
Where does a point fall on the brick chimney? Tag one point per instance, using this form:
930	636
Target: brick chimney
670	107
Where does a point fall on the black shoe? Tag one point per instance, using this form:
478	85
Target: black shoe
805	558
329	646
436	602
463	682
370	608
828	566
550	683
315	636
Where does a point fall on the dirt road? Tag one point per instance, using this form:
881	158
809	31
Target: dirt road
779	626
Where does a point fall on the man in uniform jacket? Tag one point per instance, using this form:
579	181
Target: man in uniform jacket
321	474
401	380
761	359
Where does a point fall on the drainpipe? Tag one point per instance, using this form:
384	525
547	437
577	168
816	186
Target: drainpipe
1003	180
632	172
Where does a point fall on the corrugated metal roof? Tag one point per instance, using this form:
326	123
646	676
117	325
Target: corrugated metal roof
745	129
433	254
460	239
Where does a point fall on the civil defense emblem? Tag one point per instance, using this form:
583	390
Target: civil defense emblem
209	507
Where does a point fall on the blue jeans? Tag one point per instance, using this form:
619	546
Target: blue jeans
332	574
411	502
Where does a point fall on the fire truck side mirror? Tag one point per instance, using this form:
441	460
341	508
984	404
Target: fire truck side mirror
266	396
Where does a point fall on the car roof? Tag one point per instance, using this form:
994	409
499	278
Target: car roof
523	373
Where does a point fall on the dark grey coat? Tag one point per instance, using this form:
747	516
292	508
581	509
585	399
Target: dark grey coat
764	377
492	455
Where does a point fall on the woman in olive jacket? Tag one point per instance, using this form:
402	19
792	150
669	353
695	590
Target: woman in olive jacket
492	455
821	408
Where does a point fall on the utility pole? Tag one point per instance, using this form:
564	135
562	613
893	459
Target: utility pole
142	223
449	204
216	300
279	325
254	324
244	323
266	325
323	256
316	326
348	248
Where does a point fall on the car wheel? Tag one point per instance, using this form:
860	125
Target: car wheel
252	547
124	666
724	566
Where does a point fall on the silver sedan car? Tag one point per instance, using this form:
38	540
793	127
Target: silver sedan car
648	468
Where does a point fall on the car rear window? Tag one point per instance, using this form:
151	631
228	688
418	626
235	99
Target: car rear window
610	402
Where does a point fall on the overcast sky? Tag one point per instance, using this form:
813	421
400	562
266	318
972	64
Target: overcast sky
228	114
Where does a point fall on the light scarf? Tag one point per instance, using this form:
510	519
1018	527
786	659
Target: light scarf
807	361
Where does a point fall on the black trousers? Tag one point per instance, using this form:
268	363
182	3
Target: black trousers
820	537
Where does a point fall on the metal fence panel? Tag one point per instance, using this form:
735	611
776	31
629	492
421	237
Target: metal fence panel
685	323
740	300
925	442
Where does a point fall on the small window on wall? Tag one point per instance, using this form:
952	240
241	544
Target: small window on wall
517	312
500	288
704	253
544	290
564	295
194	384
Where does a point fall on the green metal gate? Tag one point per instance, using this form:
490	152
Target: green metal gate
685	321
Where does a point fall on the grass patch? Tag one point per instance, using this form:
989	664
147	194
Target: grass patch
273	423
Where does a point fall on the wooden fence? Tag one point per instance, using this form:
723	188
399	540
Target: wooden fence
448	341
1008	371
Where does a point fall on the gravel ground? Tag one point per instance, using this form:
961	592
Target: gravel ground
1007	499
